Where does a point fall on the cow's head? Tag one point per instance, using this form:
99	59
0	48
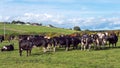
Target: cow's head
4	48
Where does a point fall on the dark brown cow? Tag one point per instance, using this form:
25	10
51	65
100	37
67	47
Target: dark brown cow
113	39
25	45
1	38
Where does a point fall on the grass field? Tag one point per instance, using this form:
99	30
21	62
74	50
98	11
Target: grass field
12	28
108	58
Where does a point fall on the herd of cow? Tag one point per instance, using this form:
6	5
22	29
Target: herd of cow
86	41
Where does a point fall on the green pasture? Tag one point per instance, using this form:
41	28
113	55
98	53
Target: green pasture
108	58
22	29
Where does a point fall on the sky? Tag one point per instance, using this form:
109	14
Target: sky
87	14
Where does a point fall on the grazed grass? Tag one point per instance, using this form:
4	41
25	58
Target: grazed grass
108	58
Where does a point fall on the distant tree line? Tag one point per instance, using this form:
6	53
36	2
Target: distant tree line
20	22
76	28
17	22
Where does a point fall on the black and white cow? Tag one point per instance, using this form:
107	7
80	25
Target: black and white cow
75	41
39	41
99	40
64	42
86	42
26	42
61	41
11	37
8	47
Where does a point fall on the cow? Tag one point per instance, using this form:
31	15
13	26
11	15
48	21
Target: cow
53	42
61	41
75	40
27	42
9	47
11	37
99	40
86	42
1	38
65	41
113	39
25	45
24	37
39	41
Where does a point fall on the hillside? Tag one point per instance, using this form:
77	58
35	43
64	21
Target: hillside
22	29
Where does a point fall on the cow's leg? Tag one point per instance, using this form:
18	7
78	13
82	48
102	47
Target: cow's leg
112	45
76	46
49	47
103	45
44	49
82	45
95	46
85	47
115	44
60	46
0	40
89	47
67	48
109	45
20	51
27	52
54	48
98	46
73	45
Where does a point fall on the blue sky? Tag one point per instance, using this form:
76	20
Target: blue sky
88	14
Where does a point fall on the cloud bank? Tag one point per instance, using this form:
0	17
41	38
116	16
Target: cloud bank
92	23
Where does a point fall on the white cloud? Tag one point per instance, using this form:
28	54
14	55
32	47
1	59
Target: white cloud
4	18
63	21
0	18
45	17
114	20
48	15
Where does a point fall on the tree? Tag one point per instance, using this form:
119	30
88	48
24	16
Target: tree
77	28
17	22
20	22
13	22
